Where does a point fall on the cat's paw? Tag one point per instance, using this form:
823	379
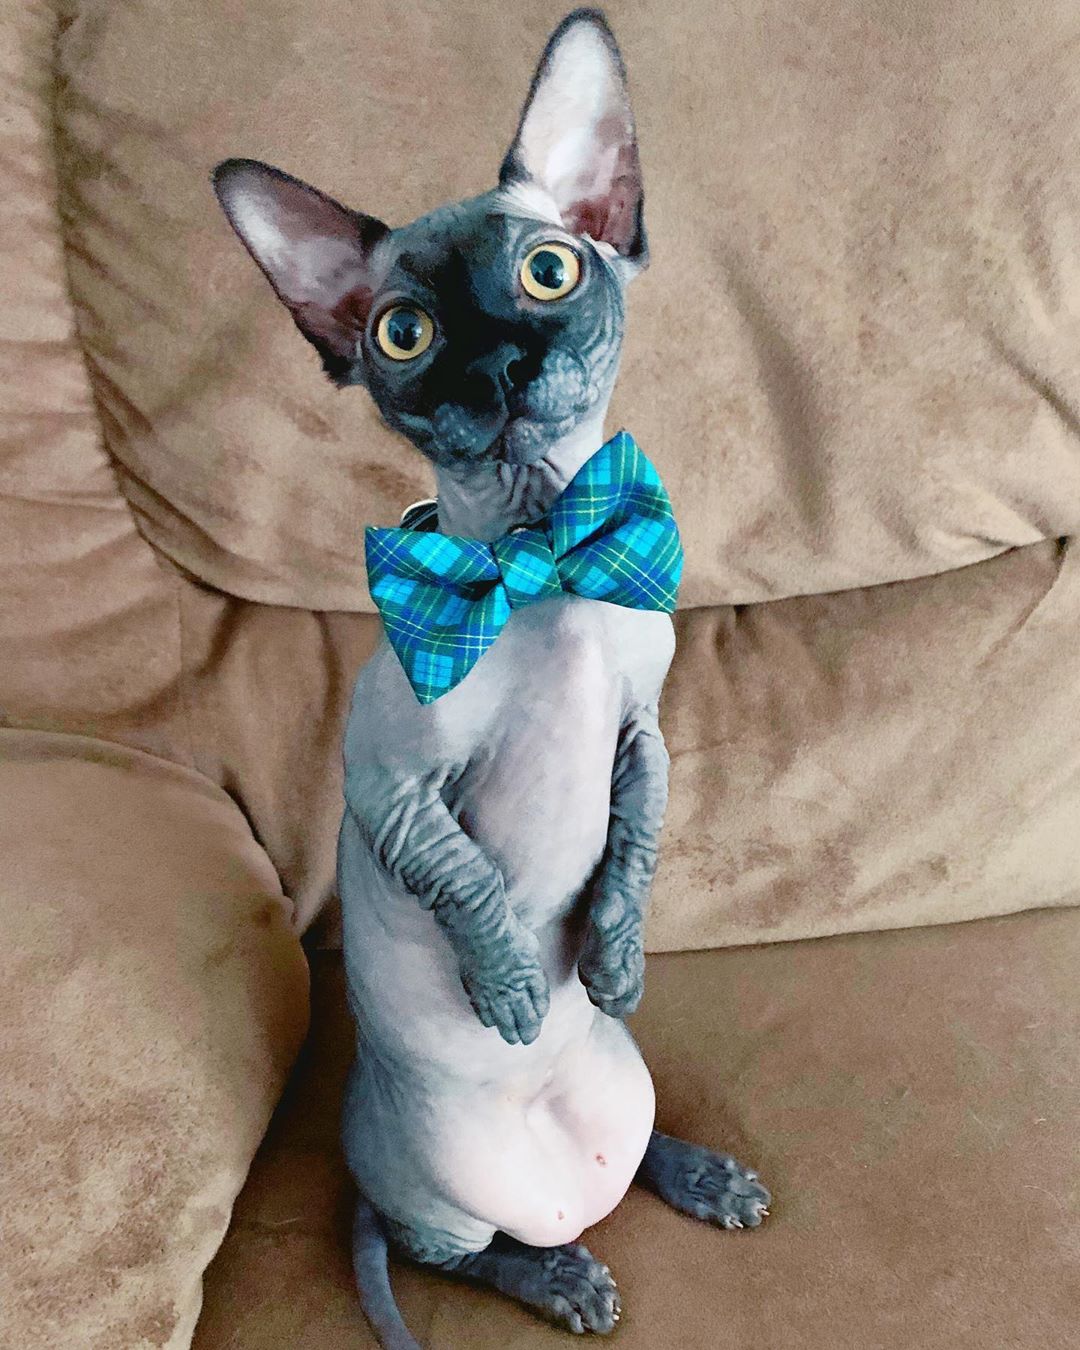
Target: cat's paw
511	995
612	969
711	1186
574	1290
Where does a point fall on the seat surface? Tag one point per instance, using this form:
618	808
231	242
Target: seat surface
911	1097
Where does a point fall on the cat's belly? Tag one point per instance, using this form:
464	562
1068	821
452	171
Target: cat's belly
577	1147
541	1164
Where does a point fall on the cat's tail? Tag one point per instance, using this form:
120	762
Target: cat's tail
373	1280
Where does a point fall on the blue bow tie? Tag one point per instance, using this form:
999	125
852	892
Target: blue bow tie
445	598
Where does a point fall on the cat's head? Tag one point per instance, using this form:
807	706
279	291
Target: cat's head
489	328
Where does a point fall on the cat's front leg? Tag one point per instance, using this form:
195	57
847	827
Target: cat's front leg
412	833
612	962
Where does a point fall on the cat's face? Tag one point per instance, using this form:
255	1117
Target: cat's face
490	328
490	333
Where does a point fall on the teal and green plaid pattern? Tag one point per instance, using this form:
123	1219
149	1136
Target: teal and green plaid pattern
444	599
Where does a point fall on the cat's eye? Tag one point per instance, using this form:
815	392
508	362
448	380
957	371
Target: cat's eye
404	332
550	271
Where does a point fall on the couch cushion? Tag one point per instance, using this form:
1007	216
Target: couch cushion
910	1097
904	754
853	358
152	999
901	754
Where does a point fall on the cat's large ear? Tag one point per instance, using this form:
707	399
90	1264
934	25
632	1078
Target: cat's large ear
315	253
576	137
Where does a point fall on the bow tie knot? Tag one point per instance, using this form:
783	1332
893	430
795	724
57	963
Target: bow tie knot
445	598
527	566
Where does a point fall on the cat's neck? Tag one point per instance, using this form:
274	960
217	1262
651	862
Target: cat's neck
484	501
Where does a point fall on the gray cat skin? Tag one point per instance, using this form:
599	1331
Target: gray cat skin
499	843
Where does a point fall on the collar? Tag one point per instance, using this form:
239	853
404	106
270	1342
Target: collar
421	515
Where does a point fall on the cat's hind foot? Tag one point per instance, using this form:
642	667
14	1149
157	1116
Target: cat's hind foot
709	1186
566	1284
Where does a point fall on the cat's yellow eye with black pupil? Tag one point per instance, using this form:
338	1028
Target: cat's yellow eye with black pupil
550	271
404	332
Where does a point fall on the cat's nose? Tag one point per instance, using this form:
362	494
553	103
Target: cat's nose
493	377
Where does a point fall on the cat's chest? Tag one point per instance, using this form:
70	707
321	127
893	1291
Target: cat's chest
530	735
540	677
555	659
537	785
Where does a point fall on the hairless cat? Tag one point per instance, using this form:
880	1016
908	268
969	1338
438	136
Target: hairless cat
499	841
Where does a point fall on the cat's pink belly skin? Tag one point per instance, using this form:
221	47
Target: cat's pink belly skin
545	1166
540	1141
594	1137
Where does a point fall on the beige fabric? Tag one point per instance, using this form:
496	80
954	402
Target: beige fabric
88	625
786	819
906	754
871	759
269	689
853	359
152	999
910	1097
151	995
863	265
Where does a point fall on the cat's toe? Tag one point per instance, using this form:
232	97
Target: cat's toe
529	1008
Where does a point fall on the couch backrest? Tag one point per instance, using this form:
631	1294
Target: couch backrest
854	355
874	756
88	632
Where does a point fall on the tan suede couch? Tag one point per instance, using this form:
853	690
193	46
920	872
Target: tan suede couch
855	360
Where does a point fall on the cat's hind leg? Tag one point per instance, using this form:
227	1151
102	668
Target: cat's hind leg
706	1185
565	1284
375	1234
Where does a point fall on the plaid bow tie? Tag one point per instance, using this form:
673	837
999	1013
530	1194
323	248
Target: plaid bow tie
444	598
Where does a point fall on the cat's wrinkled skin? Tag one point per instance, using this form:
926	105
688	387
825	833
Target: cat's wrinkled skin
499	844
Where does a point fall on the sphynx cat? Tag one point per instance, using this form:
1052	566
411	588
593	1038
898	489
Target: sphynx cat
499	843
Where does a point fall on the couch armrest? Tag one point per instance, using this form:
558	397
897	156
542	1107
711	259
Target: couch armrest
153	997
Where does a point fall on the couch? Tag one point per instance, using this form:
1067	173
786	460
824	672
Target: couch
854	360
